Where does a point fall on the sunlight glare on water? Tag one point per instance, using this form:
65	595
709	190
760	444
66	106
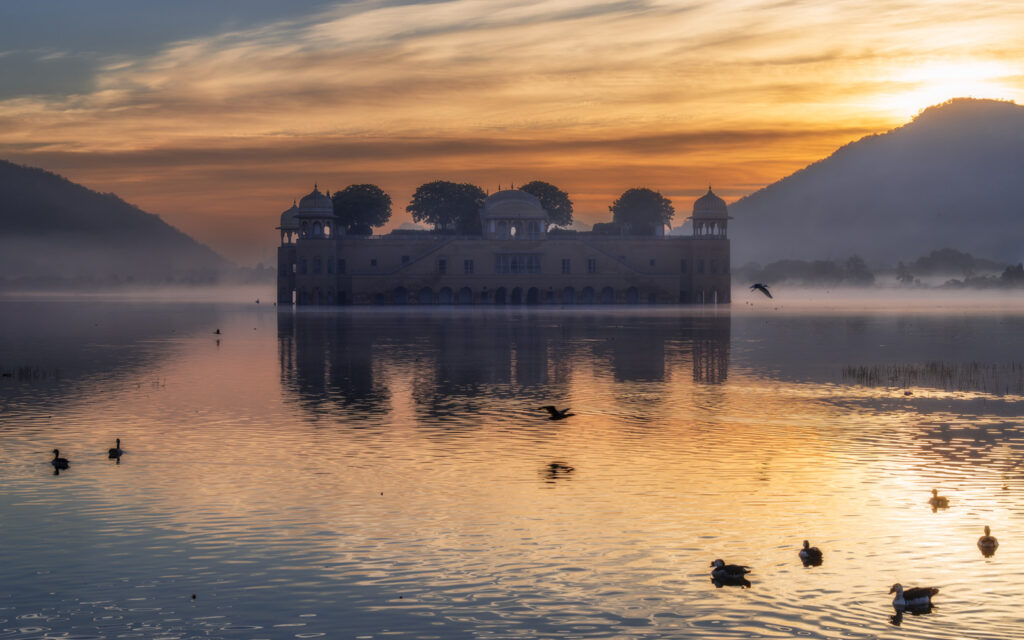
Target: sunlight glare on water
370	473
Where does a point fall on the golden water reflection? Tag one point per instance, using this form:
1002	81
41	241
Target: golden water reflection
364	472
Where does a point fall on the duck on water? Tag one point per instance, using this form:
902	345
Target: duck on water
810	556
937	501
59	462
913	598
988	543
729	574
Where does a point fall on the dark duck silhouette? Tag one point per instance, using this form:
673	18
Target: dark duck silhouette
556	468
556	414
729	574
115	451
59	462
720	569
988	543
810	556
762	287
937	501
913	598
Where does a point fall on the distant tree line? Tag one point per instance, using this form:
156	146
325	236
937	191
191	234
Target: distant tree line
1012	276
454	208
974	272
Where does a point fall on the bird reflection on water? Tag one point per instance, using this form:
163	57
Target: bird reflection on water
557	469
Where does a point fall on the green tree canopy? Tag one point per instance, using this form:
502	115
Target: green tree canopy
642	211
555	201
448	206
360	207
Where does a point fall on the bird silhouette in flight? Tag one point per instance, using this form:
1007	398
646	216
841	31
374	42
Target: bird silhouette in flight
762	287
556	414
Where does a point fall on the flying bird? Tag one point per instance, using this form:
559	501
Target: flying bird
556	414
913	598
762	287
811	556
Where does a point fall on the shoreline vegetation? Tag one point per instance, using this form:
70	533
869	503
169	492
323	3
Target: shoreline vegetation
941	269
994	378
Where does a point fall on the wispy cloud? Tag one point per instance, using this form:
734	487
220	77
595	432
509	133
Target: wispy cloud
671	92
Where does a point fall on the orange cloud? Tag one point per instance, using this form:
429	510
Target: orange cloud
594	96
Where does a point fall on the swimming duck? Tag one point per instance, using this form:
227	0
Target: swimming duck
937	501
556	414
721	570
59	462
988	543
811	556
116	451
915	597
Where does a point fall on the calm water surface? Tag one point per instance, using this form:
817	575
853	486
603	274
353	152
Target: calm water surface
372	474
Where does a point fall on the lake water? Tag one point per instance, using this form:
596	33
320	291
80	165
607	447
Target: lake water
376	474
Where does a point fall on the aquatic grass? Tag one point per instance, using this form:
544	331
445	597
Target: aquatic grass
29	374
994	378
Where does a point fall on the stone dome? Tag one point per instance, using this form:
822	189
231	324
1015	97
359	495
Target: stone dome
512	204
289	219
710	206
315	204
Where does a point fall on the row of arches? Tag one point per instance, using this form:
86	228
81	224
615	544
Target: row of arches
535	296
505	296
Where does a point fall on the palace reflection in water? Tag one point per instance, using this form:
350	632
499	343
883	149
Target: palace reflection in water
346	361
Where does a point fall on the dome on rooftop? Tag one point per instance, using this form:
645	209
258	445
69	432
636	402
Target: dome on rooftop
512	203
288	219
710	206
315	204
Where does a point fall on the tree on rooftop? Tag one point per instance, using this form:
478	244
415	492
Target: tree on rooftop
643	211
360	207
448	206
555	201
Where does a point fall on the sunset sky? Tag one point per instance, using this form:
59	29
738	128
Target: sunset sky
217	115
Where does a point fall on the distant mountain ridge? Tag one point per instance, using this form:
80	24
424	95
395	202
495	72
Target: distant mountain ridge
52	228
952	177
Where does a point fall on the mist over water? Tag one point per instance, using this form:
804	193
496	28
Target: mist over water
370	472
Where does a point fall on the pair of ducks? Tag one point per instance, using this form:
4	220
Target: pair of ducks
63	463
735	573
987	543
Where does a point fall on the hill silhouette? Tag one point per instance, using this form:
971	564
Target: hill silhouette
53	230
952	177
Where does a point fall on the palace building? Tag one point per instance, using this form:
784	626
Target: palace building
518	259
